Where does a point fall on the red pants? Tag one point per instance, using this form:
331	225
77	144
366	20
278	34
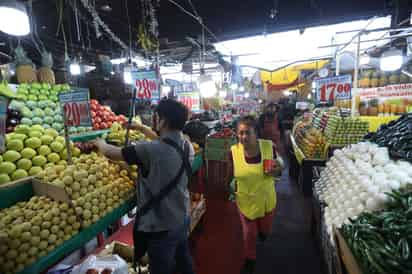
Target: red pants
251	229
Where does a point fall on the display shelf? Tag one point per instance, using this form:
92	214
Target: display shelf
15	192
79	240
88	136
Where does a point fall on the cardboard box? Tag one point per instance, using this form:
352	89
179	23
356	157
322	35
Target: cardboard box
348	260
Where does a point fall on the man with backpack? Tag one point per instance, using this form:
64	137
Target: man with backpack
162	220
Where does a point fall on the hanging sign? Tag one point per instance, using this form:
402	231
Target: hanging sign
333	88
147	86
76	108
190	99
3	118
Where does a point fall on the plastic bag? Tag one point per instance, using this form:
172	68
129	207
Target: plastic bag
102	265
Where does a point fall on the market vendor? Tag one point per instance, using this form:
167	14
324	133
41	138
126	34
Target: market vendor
254	164
165	227
269	124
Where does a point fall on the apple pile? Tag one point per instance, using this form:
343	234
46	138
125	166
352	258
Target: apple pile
103	117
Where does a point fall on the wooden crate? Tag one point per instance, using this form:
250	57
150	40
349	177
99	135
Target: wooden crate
346	255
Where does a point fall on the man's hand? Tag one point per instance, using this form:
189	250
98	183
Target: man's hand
135	126
100	144
112	152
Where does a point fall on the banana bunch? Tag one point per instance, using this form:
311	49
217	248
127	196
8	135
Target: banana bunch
117	135
146	41
6	91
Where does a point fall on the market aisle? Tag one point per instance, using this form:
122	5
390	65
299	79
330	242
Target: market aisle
290	249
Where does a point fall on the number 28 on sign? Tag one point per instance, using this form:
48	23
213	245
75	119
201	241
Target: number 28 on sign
145	88
76	113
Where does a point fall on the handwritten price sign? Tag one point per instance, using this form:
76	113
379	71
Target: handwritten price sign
333	88
146	83
76	108
190	100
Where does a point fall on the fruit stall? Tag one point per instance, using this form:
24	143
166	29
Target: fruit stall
52	205
364	197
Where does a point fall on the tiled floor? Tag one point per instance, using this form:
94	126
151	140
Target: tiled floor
290	249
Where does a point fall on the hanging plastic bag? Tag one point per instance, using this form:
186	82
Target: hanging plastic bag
102	265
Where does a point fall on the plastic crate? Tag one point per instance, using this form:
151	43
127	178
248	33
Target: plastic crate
220	143
217	154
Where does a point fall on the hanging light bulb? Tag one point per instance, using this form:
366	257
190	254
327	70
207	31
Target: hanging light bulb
127	74
207	86
13	18
223	93
75	68
247	95
391	60
242	89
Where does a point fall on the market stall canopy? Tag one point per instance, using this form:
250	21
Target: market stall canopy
289	76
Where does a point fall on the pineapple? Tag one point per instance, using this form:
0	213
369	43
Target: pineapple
383	80
373	107
25	70
375	79
363	109
45	73
394	78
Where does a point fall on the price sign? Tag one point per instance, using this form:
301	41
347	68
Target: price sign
147	86
333	88
190	100
3	118
76	108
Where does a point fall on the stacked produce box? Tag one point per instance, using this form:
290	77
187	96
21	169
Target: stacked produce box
345	130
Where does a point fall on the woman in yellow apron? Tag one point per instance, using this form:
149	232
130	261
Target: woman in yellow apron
255	186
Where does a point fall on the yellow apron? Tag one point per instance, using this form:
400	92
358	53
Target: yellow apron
255	194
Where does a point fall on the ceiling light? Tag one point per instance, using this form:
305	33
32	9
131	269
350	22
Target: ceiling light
287	93
223	93
364	60
74	68
233	86
247	95
106	8
391	60
13	18
207	86
242	89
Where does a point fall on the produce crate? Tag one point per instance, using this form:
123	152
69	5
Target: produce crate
219	143
217	154
88	136
348	260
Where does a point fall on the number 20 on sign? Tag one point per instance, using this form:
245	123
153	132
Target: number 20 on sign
76	113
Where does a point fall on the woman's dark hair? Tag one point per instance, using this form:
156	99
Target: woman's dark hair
173	112
250	121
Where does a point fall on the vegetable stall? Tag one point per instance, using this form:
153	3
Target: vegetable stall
364	199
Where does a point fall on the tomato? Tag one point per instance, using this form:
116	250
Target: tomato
109	124
103	125
94	102
98	119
